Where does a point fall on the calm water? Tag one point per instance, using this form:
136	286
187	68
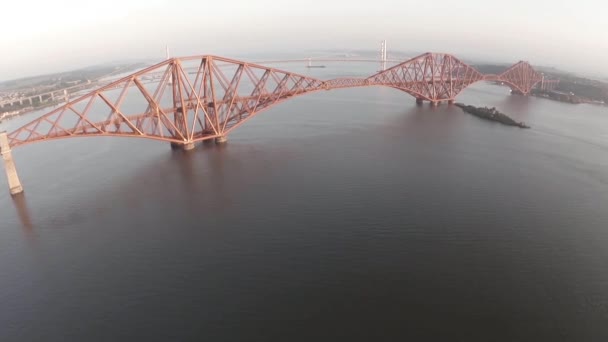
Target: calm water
343	215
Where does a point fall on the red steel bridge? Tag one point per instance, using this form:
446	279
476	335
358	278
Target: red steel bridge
187	100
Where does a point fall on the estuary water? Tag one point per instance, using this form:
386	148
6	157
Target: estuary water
349	215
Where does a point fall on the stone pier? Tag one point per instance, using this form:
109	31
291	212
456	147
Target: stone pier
221	139
14	183
183	146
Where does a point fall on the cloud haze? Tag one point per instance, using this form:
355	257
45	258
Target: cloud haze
43	36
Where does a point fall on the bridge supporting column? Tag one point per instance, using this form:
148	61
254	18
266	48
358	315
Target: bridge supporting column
14	183
182	146
221	139
451	102
419	101
435	103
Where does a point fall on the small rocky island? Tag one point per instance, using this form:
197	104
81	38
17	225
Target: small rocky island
491	114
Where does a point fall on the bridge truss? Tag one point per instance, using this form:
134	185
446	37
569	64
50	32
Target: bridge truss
187	100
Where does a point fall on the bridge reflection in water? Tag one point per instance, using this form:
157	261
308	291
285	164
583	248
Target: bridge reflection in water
24	215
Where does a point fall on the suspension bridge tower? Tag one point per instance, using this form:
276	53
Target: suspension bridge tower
167	58
383	55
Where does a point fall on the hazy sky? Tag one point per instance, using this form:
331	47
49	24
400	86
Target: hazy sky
46	36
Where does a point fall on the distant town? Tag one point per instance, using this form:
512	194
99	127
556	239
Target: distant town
27	94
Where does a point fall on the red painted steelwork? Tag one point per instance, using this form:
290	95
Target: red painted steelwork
521	77
431	77
168	102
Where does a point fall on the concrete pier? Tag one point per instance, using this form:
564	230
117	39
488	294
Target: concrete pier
14	183
419	101
221	139
184	147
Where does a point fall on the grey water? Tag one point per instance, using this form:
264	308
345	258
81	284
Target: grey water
336	216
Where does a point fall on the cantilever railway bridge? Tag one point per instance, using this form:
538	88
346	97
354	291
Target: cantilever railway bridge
186	100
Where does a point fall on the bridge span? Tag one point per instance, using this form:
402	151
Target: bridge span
169	102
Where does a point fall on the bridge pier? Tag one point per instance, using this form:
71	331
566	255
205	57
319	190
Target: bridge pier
451	102
14	183
435	103
419	101
221	139
182	146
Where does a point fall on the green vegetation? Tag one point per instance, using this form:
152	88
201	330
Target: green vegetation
491	114
584	88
